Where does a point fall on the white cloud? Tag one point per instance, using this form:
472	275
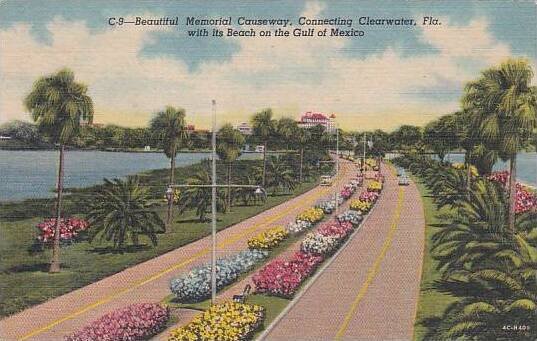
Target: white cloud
290	75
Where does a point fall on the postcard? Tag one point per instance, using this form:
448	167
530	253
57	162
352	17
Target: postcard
268	170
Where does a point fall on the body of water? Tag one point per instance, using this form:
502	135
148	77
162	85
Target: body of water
32	174
526	166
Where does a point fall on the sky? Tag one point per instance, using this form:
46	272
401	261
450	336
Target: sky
388	77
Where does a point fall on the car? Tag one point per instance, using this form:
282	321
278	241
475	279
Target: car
326	180
403	180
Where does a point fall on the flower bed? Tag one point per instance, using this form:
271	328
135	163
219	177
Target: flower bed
195	286
312	215
135	322
340	230
226	321
268	239
318	244
501	177
346	193
525	200
368	196
350	216
282	278
360	206
299	226
375	186
69	229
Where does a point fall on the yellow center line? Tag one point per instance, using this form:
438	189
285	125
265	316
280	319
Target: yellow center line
311	197
373	270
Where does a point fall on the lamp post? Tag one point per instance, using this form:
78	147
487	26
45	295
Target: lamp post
213	206
336	194
169	195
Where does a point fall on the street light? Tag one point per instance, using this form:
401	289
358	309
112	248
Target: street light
169	195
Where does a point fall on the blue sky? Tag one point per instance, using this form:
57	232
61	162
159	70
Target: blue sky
410	74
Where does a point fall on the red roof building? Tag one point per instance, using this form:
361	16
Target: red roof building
311	119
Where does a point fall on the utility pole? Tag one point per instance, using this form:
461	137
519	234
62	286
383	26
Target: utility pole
213	208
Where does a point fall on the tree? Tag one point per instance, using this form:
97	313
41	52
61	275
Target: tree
58	104
303	139
246	194
504	104
441	135
407	136
120	211
197	197
264	127
169	125
279	175
230	143
22	131
287	129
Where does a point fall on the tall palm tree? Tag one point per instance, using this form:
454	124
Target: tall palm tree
58	105
230	142
303	138
170	127
121	211
264	127
504	106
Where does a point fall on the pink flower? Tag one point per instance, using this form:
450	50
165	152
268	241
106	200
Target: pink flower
69	229
283	278
134	322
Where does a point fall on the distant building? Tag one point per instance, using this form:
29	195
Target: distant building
311	119
190	127
245	128
3	137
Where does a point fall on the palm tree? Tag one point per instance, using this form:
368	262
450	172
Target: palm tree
504	104
303	137
121	211
245	194
199	198
287	129
230	142
264	127
59	104
487	300
279	175
478	236
170	127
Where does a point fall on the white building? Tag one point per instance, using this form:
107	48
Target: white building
244	128
311	119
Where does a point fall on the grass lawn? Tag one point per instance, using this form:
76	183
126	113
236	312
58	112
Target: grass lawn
430	302
273	307
24	280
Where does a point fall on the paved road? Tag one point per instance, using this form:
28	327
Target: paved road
148	281
371	289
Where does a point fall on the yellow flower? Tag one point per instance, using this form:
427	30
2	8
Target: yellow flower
225	321
268	239
375	186
312	215
359	205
